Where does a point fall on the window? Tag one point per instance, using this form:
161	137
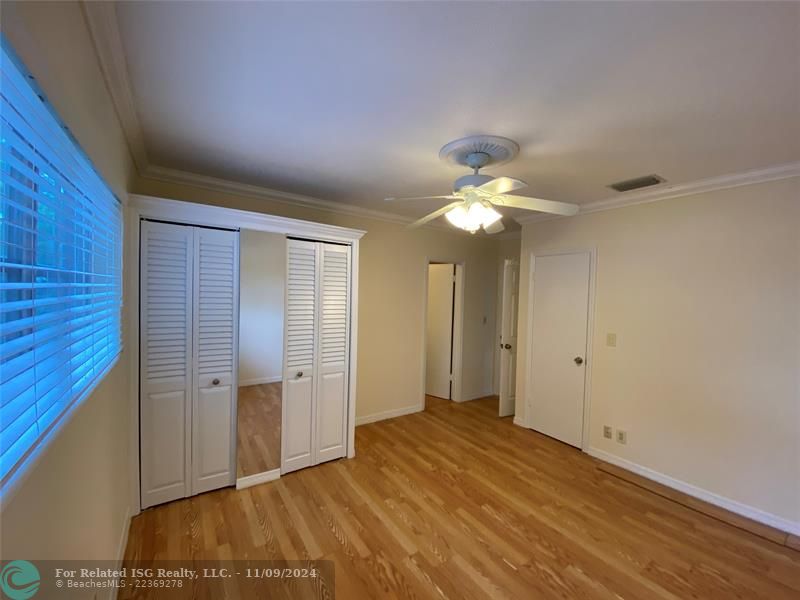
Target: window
60	271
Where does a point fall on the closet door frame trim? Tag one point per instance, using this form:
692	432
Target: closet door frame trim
188	213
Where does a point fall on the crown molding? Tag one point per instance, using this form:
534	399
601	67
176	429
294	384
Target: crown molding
255	191
667	192
101	19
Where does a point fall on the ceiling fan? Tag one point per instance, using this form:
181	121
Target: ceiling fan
476	195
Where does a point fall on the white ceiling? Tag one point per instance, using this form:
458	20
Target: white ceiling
351	102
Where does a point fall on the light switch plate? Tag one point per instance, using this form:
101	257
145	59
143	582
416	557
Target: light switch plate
607	433
611	340
622	436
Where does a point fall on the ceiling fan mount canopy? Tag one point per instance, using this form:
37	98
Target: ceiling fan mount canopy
478	151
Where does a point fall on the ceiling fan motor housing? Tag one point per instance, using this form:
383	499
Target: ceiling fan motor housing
472	180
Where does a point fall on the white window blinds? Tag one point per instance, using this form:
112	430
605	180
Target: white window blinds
60	270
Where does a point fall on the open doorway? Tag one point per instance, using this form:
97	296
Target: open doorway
444	302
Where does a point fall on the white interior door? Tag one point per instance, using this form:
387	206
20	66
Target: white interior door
166	259
216	310
302	275
560	297
508	337
333	359
439	330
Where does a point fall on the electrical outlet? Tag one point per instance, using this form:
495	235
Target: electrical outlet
622	436
611	340
607	432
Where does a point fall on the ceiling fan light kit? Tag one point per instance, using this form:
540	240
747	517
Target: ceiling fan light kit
474	217
476	193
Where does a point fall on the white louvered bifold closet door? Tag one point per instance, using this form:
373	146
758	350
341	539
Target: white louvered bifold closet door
189	298
299	350
216	302
317	354
333	360
166	354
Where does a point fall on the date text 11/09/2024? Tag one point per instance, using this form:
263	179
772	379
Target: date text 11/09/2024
184	573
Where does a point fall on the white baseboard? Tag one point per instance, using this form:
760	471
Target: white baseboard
745	510
251	480
260	380
121	547
518	422
388	414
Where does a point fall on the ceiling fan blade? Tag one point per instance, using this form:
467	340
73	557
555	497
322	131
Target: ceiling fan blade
502	185
495	227
433	215
393	199
546	206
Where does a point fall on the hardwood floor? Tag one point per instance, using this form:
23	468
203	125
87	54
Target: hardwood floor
456	503
433	402
258	439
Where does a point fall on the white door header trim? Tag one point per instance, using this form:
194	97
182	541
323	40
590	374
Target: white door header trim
218	216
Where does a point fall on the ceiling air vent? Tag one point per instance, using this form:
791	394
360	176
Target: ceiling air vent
637	183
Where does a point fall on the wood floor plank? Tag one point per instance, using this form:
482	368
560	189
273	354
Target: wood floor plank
454	503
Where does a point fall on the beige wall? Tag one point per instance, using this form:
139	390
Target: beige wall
74	501
392	271
703	293
262	259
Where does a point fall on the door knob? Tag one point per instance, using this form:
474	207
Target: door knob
299	374
507	346
578	360
215	382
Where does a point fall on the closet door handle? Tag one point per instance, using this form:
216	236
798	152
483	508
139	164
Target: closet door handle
299	374
215	382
